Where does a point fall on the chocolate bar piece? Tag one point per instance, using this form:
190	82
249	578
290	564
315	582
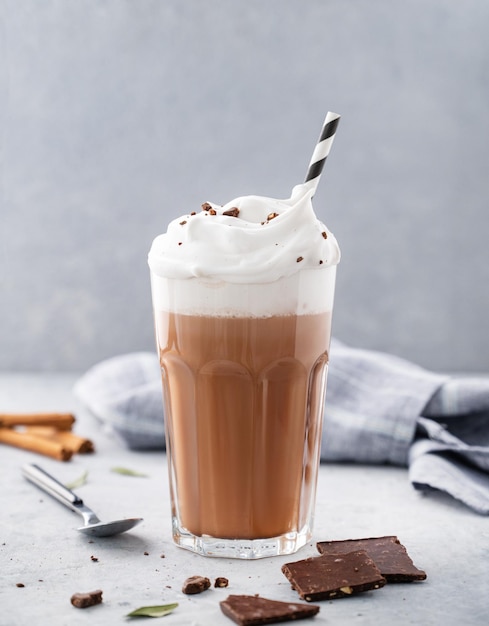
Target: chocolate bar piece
333	575
254	610
389	554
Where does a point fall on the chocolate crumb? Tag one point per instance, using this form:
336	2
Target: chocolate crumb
83	600
221	582
271	216
299	259
183	223
94	558
321	261
234	212
180	243
162	556
193	213
324	234
206	206
146	553
212	212
196	584
19	585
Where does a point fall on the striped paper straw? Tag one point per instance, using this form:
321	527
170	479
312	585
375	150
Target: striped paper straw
322	149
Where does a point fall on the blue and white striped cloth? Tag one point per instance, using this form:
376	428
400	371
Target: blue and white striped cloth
379	409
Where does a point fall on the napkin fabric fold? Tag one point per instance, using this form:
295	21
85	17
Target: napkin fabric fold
379	409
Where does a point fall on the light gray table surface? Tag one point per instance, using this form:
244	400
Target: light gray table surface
40	547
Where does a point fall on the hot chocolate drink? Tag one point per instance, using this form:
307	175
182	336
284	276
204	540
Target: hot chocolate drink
242	299
243	400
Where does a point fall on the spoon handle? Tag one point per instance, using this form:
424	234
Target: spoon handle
50	485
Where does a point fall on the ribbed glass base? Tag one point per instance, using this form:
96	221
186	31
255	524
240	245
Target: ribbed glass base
240	548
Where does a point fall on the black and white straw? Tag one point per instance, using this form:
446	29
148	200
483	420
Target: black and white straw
322	150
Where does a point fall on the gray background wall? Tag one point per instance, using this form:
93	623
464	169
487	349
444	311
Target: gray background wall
118	115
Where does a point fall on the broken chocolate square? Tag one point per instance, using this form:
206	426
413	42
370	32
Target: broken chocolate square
254	610
333	575
389	554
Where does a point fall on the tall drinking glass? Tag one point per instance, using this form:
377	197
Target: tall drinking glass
244	370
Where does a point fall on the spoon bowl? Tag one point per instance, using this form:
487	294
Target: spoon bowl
108	529
92	524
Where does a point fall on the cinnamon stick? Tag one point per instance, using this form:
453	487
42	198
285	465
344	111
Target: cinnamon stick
41	445
62	421
75	443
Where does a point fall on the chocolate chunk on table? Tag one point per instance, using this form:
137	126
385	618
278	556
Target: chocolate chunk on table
196	584
334	575
84	600
254	610
389	554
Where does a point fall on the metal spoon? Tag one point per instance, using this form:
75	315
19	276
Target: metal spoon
93	526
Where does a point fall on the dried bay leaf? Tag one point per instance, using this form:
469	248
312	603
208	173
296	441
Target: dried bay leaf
125	471
153	611
78	482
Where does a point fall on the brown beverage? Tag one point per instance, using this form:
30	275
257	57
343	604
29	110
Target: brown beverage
244	399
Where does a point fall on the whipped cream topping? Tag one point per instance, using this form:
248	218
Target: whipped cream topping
250	239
